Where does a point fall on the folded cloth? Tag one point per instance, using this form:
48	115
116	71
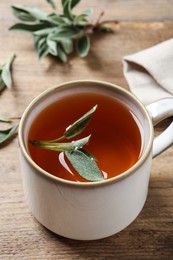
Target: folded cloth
149	73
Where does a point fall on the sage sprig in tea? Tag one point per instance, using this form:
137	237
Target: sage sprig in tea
58	34
82	161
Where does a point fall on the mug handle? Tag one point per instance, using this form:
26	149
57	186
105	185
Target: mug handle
159	111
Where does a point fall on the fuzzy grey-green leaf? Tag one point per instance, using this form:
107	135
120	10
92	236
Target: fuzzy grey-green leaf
7	134
6	71
33	12
43	51
84	165
52	47
67	8
79	125
82	18
5	119
91	156
22	14
64	33
52	3
27	27
44	31
73	2
2	84
61	147
67	45
55	19
61	54
83	46
88	11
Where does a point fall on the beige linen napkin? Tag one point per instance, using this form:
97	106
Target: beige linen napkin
149	73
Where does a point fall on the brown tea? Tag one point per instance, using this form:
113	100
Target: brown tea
115	134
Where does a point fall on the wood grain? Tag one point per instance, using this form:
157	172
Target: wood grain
142	24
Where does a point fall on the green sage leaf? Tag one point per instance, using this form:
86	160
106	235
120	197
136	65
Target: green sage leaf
5	119
27	27
63	2
2	84
91	156
52	3
55	19
7	134
67	8
37	41
22	14
78	126
42	43
45	31
6	73
61	147
84	165
88	12
33	12
68	5
64	33
81	19
41	46
61	54
52	47
43	51
67	45
67	21
73	2
83	46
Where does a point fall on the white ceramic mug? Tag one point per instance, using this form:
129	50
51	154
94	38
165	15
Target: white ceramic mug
92	210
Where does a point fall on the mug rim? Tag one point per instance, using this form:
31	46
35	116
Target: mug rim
111	180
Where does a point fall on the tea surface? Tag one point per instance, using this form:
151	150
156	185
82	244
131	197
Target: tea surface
115	140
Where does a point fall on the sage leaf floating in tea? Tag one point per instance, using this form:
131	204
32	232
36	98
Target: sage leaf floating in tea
78	126
59	34
61	147
82	161
91	156
83	164
5	73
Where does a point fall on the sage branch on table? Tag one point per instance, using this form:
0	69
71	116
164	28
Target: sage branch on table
82	161
59	34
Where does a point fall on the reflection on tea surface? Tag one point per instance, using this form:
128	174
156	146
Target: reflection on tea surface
115	136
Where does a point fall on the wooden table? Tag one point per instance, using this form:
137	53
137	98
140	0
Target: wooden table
141	24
